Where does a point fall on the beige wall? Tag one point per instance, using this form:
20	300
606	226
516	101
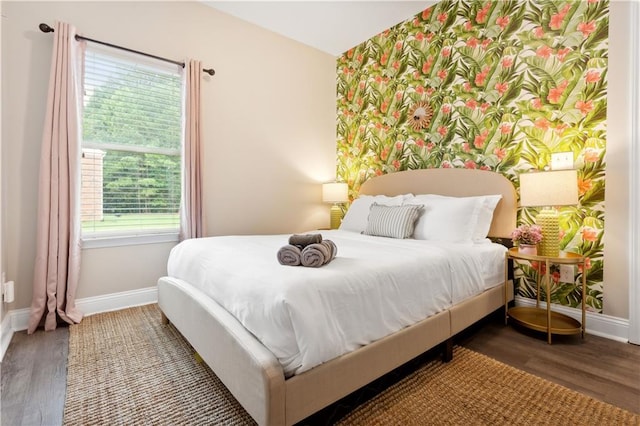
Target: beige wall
269	126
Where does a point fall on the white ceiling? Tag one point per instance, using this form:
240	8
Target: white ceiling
331	26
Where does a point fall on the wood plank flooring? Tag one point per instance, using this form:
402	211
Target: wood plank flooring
34	378
34	369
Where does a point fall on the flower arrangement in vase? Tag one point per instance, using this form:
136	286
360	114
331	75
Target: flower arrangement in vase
527	237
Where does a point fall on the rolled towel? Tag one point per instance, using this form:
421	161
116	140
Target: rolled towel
333	249
303	240
289	255
315	255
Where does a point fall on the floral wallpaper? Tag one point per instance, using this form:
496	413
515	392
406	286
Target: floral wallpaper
503	85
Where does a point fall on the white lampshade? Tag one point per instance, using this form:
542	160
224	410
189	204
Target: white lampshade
553	188
550	189
335	192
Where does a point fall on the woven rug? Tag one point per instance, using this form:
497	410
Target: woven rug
127	368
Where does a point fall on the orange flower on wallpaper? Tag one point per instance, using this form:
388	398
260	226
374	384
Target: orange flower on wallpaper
544	51
585	107
555	23
470	164
472	42
589	234
542	123
538	32
584	185
507	61
502	21
562	53
556	92
502	87
591	155
481	16
426	67
442	17
587	264
500	153
587	28
592	76
480	139
505	128
481	76
536	103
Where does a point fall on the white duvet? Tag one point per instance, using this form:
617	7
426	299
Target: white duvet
306	316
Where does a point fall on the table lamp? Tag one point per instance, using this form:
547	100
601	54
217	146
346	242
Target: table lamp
336	193
549	189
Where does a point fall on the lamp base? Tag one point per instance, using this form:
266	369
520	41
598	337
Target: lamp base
336	216
549	221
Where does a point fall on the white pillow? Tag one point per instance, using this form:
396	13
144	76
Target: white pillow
357	216
485	216
451	219
392	221
454	219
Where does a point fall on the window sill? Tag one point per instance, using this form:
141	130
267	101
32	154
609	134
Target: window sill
128	240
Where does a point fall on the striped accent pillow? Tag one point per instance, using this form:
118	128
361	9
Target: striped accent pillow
392	221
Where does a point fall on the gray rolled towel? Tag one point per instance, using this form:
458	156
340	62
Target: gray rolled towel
333	250
315	255
303	240
289	255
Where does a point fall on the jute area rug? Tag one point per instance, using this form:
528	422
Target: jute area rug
127	368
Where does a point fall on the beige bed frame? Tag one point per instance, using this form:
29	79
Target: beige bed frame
252	373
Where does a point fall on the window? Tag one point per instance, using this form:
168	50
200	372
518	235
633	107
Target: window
131	147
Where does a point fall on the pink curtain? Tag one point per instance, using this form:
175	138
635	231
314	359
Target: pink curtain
57	264
191	209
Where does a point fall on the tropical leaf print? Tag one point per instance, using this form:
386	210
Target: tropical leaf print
509	84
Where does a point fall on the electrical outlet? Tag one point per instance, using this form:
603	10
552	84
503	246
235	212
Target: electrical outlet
562	161
567	274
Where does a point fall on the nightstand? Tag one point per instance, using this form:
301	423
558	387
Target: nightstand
546	320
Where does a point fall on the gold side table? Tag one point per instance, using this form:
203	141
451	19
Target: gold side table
546	320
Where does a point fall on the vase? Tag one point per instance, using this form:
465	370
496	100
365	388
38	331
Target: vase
531	249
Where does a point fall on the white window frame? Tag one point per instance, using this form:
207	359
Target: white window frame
103	239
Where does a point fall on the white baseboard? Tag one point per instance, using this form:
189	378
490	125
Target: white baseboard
18	319
7	333
613	328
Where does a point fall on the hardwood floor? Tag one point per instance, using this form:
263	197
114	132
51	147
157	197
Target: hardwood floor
34	370
34	378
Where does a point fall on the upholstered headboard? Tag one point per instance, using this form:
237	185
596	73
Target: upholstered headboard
454	183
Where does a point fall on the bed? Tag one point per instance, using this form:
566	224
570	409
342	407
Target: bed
277	386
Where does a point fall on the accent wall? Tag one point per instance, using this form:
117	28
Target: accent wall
502	85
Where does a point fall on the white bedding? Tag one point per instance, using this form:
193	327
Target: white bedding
307	316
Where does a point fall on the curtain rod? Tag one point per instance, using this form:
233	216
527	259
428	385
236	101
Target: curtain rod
47	29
